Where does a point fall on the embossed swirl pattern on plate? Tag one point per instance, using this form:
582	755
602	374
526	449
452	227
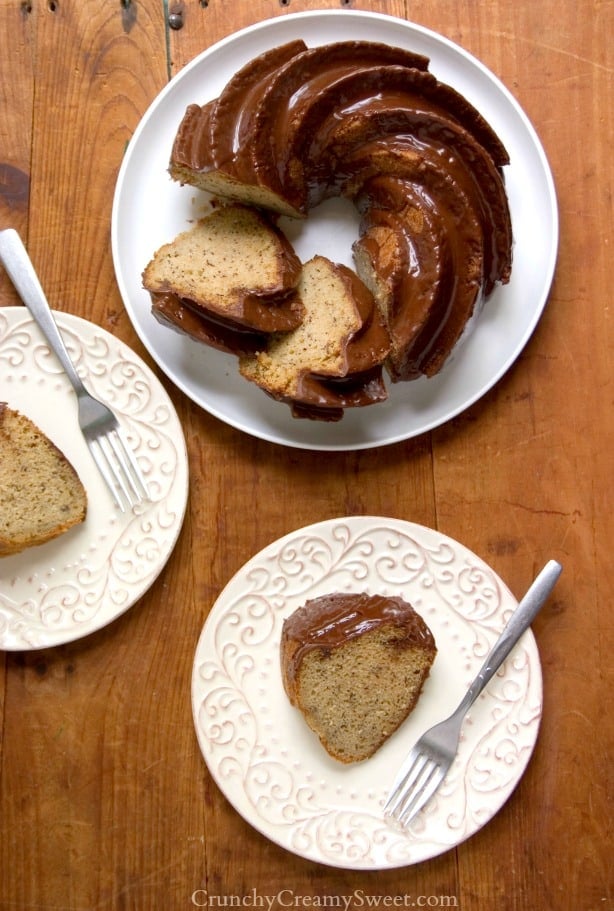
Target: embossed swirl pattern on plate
87	577
271	767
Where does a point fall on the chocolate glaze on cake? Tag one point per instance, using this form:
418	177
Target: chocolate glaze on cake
366	121
181	315
233	145
327	622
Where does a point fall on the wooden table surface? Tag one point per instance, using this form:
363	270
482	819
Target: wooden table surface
105	800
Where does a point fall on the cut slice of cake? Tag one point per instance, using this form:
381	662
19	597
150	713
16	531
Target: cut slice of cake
355	665
235	265
41	495
333	360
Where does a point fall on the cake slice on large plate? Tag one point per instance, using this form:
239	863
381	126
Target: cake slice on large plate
233	266
333	360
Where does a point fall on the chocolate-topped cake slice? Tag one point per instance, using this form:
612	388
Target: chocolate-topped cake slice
355	665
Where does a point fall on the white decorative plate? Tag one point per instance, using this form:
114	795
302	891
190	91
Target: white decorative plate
150	209
69	587
270	765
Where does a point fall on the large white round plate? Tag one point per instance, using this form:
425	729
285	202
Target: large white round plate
150	209
81	581
270	765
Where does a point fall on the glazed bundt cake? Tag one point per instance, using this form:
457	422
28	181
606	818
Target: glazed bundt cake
235	146
333	360
368	122
355	665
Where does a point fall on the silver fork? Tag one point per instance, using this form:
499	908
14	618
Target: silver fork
429	761
100	427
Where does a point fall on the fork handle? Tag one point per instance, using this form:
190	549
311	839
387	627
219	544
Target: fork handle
518	623
20	270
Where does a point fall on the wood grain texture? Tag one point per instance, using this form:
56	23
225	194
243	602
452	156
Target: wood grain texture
105	802
17	54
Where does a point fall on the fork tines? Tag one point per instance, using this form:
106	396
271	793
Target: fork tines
119	468
414	788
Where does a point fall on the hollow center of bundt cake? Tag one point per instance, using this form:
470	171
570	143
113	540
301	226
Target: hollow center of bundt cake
330	230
